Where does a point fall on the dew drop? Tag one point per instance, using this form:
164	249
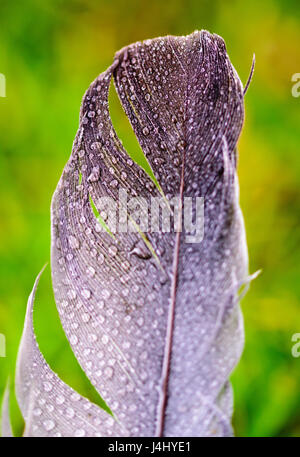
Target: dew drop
86	294
90	271
95	174
37	412
114	183
132	408
144	355
101	319
93	252
79	433
140	321
48	386
70	413
126	265
50	408
104	339
92	338
71	294
141	250
112	250
60	399
70	256
75	396
85	317
109	372
105	294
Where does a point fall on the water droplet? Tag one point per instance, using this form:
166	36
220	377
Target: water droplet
101	319
98	373
70	413
112	250
125	292
71	294
126	265
114	183
79	433
75	396
86	294
132	408
70	256
90	271
109	372
141	250
105	294
85	317
146	131
104	339
92	338
143	376
60	399
140	321
37	412
48	386
49	425
73	242
73	339
93	252
101	259
110	422
95	174
50	408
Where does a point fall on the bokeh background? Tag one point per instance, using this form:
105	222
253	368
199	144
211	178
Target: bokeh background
50	51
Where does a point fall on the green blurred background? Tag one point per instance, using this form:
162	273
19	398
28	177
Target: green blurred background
50	51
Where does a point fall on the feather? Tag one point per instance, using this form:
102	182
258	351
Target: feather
149	300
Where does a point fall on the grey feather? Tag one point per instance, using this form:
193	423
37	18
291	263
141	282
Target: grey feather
153	320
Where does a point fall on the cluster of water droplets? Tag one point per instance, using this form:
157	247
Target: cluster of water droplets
116	292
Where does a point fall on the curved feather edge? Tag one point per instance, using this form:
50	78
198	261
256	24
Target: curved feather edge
6	430
91	273
50	407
